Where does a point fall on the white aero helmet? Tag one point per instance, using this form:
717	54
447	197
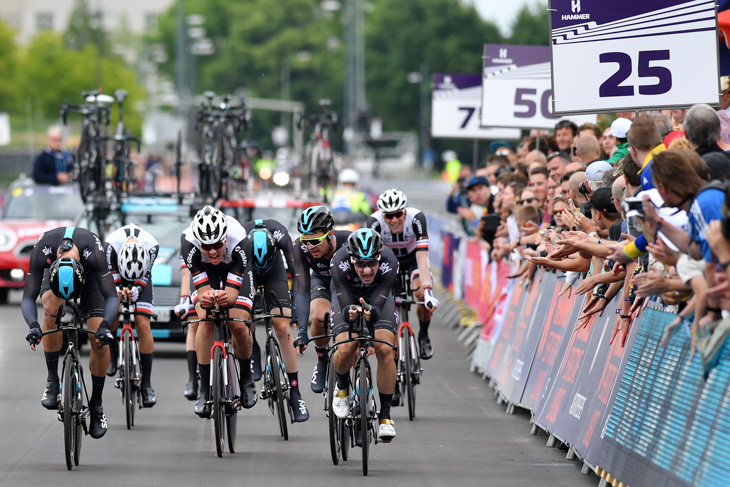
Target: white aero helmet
209	226
392	200
132	261
349	175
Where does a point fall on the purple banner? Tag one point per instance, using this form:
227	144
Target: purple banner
448	82
498	55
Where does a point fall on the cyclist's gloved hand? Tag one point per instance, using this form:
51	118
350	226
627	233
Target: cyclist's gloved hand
428	299
135	293
183	307
302	339
34	335
104	334
349	312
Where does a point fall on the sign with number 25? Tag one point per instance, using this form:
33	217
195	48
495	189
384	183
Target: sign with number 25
628	55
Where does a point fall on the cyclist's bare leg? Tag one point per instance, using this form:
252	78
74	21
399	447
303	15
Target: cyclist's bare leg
99	358
54	341
386	362
283	333
241	336
318	308
144	332
346	355
204	343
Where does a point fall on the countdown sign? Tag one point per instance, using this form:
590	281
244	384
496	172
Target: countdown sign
627	55
516	88
455	103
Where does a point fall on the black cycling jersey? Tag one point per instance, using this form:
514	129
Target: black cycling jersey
91	257
413	238
233	271
283	243
303	263
350	288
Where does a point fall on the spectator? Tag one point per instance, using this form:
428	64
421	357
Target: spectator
594	175
702	128
644	142
578	192
605	215
575	167
480	201
53	165
594	130
504	148
565	132
556	165
663	122
620	129
587	150
608	146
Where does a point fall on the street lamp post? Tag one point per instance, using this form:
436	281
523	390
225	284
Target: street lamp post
421	78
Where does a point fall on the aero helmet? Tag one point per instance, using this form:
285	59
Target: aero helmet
133	261
66	278
264	248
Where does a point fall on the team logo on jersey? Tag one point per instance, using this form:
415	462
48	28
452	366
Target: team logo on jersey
47	251
242	254
278	235
98	243
87	253
344	266
385	268
419	225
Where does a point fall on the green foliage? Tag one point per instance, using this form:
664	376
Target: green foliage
84	29
531	27
9	67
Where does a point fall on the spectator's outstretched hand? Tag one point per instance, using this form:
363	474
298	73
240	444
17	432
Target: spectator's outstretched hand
662	253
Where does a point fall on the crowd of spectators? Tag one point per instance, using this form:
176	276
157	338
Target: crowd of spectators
636	210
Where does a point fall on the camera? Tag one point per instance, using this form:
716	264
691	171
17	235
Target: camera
635	204
489	223
531	246
725	224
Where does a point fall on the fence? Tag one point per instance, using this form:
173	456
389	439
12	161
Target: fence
634	412
15	161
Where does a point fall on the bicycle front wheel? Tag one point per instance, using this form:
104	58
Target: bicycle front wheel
70	418
217	393
129	393
364	419
275	355
335	428
410	387
232	413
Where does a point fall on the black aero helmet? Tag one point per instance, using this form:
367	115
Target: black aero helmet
264	247
364	243
66	278
315	219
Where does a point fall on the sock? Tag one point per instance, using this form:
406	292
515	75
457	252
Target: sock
192	363
385	400
343	381
294	381
146	359
255	349
423	329
96	389
52	365
321	353
204	379
244	365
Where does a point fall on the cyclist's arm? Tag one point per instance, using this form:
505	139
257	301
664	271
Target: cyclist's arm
342	286
302	282
424	266
33	281
106	282
388	275
373	223
285	245
240	274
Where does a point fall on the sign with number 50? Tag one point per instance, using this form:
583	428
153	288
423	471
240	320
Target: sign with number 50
627	55
516	88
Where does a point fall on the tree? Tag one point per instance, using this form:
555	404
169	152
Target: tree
9	64
85	28
531	27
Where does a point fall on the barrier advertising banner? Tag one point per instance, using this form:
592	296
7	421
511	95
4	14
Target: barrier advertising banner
516	88
520	296
628	55
455	103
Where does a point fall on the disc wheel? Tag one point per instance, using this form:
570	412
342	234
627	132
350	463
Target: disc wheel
363	397
219	413
335	423
281	407
70	418
232	414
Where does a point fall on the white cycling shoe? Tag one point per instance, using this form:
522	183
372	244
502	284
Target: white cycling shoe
386	430
341	403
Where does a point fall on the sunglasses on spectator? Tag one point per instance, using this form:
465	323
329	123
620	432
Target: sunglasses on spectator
526	200
555	212
503	152
313	241
563	125
209	247
390	216
362	264
553	155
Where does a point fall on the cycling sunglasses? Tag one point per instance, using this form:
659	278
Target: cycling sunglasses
390	216
555	212
209	247
526	200
362	264
313	241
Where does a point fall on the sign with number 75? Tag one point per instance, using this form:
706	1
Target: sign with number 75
628	55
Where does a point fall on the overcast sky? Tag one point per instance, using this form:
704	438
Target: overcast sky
504	12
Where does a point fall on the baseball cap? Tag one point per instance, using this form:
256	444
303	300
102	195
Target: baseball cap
620	127
474	181
602	201
674	134
595	170
495	145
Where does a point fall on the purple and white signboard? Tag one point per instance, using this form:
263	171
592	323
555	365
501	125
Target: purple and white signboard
455	109
627	55
516	89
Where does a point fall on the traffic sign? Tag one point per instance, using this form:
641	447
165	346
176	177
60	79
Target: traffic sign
627	55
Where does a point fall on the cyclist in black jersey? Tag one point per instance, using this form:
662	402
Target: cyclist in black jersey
404	230
365	272
131	252
70	262
269	239
312	254
216	251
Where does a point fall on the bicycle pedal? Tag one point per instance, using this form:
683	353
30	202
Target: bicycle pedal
234	405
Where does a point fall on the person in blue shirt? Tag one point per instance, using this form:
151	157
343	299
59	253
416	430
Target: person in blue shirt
53	165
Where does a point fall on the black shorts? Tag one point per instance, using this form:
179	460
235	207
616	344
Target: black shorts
388	319
319	288
274	280
91	301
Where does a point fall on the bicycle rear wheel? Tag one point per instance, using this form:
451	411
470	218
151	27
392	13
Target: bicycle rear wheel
335	427
218	401
70	418
130	395
364	419
275	355
410	387
232	413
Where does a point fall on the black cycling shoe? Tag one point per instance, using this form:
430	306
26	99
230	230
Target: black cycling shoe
299	409
396	394
111	371
50	395
148	397
256	362
248	395
203	407
426	350
191	390
97	427
319	376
